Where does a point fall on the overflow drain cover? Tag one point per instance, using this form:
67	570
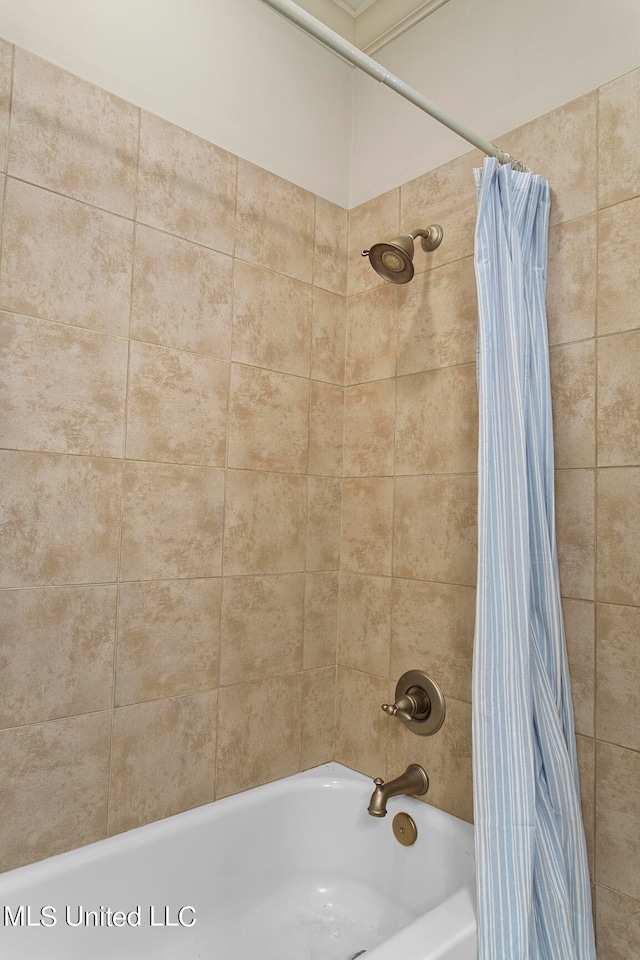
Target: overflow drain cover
404	829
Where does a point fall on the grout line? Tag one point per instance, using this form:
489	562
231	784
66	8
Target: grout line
594	792
71	199
225	491
122	484
6	173
293	673
334	751
236	226
393	510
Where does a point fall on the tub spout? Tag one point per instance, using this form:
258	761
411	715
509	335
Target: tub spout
414	782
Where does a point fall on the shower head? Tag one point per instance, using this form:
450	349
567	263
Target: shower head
394	260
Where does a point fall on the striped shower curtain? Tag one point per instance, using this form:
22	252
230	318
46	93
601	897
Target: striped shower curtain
534	898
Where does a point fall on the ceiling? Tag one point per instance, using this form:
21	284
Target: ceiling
370	24
355	4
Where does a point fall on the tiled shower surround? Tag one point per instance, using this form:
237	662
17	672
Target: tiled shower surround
239	470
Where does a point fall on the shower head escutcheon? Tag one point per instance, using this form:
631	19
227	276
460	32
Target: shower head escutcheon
394	260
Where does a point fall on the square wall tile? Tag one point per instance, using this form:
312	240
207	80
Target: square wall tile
618	819
63	260
323	523
618	696
618	536
375	221
432	625
435	529
177	406
6	71
618	277
181	294
330	249
171	522
275	222
168	639
58	646
575	532
271	320
361	726
619	400
367	525
328	335
79	378
445	757
71	136
561	147
572	280
258	741
438	318
573	394
262	624
372	325
437	421
320	620
445	196
586	754
257	538
619	139
268	420
326	426
580	632
44	783
617	925
163	759
369	422
364	630
318	707
62	519
186	185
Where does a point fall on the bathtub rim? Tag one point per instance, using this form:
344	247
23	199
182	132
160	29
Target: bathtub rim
330	775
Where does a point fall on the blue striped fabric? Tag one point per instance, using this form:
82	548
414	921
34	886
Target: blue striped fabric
534	899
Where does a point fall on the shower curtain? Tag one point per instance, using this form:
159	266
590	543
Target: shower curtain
534	898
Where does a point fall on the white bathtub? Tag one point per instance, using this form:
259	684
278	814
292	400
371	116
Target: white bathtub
294	870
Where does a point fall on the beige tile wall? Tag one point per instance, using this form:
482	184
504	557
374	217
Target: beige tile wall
215	468
172	327
409	517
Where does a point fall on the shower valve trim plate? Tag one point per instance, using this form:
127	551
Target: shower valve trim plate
419	703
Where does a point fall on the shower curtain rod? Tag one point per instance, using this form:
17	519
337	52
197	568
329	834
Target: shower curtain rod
315	28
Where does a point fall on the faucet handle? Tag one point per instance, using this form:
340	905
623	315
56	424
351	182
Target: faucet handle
394	710
419	703
414	705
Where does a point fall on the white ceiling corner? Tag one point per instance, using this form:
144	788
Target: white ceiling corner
355	5
370	24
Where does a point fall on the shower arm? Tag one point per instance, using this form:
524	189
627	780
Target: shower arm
316	29
429	238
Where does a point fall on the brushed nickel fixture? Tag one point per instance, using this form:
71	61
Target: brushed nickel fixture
419	703
394	260
404	829
414	782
